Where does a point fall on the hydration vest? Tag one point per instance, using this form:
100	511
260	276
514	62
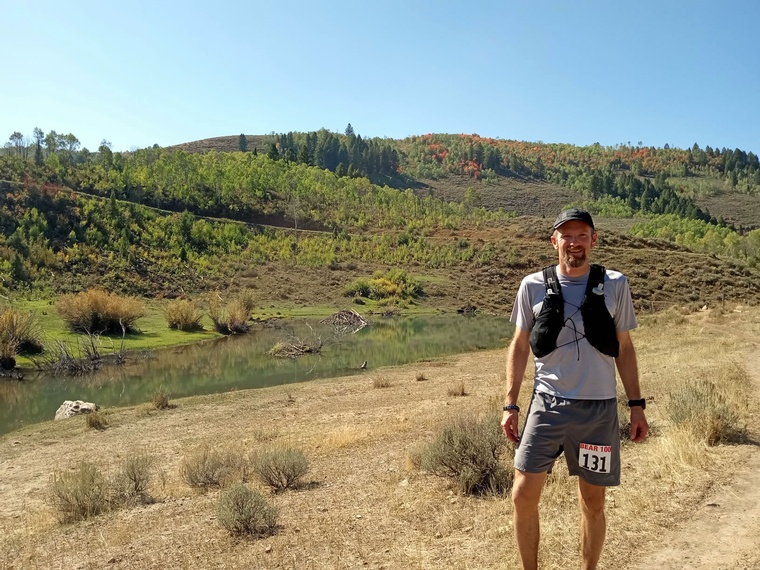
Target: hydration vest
598	324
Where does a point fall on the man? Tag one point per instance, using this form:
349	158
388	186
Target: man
574	403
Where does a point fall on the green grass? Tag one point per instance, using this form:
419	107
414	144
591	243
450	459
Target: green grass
154	332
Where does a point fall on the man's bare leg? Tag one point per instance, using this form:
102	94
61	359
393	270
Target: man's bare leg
593	523
526	493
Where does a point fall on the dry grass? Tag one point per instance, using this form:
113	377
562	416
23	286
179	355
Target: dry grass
367	508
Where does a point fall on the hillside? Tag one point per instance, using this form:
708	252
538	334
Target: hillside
183	221
528	177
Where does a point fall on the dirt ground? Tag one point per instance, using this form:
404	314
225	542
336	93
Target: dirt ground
722	533
365	505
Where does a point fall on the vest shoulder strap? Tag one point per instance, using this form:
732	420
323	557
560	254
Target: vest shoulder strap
551	282
595	278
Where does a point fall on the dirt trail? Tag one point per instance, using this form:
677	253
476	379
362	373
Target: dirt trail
723	533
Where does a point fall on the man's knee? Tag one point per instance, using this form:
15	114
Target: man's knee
526	490
591	498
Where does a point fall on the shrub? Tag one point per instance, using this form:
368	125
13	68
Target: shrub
19	332
130	484
381	383
396	283
244	511
231	319
80	494
704	409
95	311
96	420
457	390
281	468
206	467
468	450
160	400
183	315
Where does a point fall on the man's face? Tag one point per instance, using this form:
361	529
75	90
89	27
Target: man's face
574	241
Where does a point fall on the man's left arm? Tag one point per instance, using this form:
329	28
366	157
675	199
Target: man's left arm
628	369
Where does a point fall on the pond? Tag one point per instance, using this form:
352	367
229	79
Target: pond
241	362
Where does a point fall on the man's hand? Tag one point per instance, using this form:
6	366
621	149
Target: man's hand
639	425
509	425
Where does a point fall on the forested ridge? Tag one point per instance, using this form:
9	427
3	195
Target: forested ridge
71	217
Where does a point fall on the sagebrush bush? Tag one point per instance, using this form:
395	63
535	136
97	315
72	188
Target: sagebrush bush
130	484
95	311
705	409
206	467
183	315
79	494
244	511
281	468
469	451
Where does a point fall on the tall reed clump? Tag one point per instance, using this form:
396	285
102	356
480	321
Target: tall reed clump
183	315
23	328
469	450
19	334
95	311
243	511
229	319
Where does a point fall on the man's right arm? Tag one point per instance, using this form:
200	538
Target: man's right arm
517	360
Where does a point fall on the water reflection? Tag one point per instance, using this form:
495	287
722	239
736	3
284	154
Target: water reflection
240	362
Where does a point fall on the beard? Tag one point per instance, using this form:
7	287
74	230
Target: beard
574	261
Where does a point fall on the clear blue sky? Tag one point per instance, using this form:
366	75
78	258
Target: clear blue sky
137	73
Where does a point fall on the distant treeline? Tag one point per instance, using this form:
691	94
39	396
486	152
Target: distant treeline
346	155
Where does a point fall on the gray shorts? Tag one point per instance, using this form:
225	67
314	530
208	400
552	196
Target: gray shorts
586	430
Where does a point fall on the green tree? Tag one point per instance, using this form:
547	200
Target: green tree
350	131
243	143
17	139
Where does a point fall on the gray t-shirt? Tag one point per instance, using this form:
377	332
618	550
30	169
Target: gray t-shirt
575	369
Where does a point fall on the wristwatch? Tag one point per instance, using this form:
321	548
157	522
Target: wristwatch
509	407
642	403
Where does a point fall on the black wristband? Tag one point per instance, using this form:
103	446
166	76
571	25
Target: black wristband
509	407
642	403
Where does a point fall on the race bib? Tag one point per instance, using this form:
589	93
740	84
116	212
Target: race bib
595	458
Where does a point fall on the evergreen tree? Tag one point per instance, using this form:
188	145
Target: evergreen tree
242	143
349	130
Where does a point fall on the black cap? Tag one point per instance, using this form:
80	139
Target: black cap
574	214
